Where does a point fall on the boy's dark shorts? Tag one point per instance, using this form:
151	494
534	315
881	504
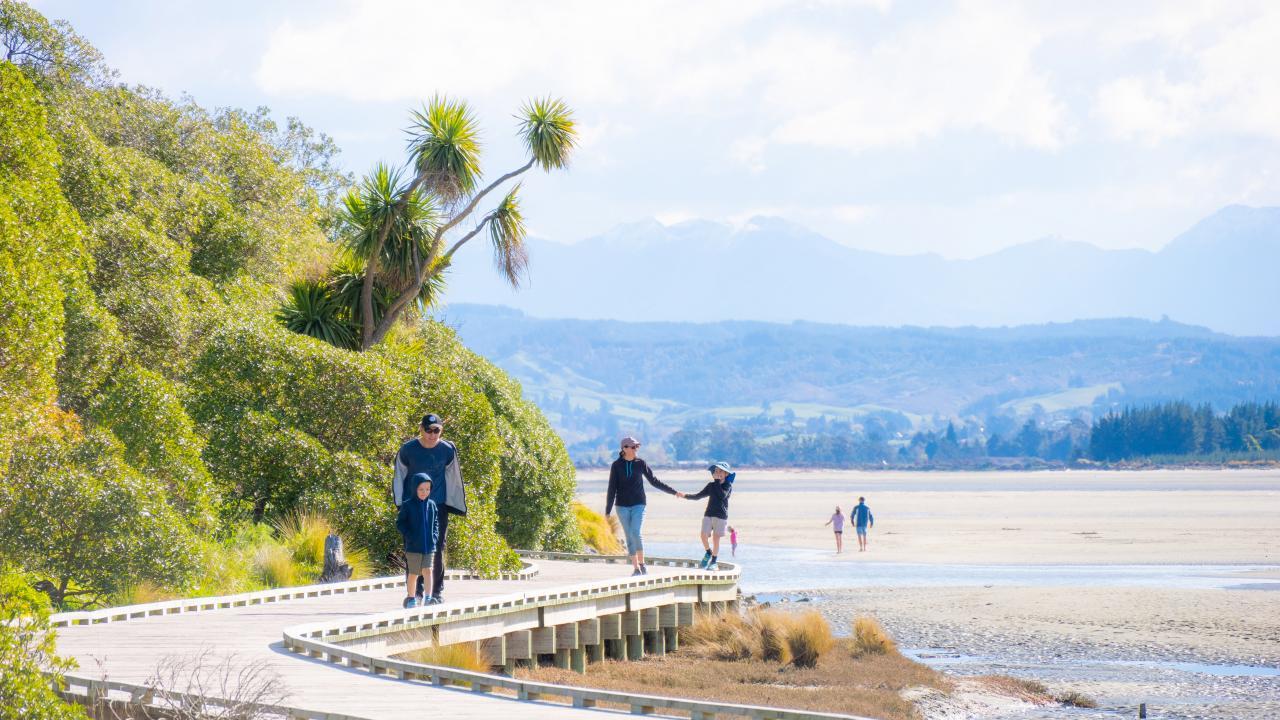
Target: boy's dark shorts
416	563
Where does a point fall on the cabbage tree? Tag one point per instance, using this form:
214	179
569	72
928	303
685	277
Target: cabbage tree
406	226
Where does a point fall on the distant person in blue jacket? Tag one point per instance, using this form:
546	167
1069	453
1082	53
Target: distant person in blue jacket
419	524
862	521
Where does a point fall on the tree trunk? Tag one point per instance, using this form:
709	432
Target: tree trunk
336	568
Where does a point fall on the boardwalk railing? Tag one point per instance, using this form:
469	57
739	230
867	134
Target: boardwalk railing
130	697
355	642
260	597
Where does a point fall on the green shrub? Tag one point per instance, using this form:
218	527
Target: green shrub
264	463
144	411
39	244
75	513
345	400
27	647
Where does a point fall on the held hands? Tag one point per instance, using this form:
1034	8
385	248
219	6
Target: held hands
679	494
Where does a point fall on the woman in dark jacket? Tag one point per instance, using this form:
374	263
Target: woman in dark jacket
626	492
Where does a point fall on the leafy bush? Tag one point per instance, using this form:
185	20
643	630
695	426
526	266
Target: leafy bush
144	410
27	647
345	400
73	512
38	245
264	463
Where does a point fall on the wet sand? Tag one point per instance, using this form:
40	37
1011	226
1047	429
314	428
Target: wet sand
1119	644
1184	517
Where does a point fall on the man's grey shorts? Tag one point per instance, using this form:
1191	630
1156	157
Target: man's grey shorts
418	562
714	525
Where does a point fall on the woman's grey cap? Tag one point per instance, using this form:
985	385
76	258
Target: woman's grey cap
721	465
628	440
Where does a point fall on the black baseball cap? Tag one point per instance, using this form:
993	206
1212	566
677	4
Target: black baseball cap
431	419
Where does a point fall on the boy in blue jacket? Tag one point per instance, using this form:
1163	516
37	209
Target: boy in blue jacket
419	524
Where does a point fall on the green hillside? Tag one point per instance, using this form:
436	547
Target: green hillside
598	378
160	428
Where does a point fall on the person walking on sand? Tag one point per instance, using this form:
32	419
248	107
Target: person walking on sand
733	540
837	526
716	516
431	454
626	492
862	521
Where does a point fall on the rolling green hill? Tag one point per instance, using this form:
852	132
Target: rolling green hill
595	378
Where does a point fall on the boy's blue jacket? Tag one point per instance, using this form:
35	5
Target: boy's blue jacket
418	520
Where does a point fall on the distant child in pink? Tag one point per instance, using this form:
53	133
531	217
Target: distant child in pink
837	525
733	540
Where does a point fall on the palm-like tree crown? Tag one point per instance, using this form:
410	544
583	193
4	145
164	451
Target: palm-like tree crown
507	234
549	131
444	145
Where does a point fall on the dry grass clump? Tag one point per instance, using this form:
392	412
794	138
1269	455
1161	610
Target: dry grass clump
870	686
871	639
1021	688
463	656
1076	699
809	638
598	532
768	635
721	637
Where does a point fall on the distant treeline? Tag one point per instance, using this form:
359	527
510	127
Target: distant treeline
1168	432
1177	428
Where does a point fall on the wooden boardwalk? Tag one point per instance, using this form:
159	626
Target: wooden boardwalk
131	651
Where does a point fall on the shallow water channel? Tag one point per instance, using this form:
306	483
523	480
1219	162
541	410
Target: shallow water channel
1174	688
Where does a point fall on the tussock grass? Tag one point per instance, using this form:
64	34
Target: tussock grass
1028	690
147	592
870	685
1076	699
461	655
598	532
277	566
809	638
768	635
304	533
871	639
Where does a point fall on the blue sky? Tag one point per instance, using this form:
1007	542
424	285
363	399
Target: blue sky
951	127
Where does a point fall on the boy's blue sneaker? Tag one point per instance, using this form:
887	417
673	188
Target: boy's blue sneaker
410	602
711	566
705	560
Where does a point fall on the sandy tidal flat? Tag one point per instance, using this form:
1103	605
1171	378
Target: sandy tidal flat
1139	517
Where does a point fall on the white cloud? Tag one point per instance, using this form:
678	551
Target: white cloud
1228	86
971	70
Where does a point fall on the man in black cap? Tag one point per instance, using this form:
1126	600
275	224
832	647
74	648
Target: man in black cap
430	453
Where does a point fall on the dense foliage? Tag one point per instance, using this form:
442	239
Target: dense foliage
153	407
26	653
1177	428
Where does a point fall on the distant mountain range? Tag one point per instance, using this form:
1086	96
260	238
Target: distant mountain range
595	377
1221	274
